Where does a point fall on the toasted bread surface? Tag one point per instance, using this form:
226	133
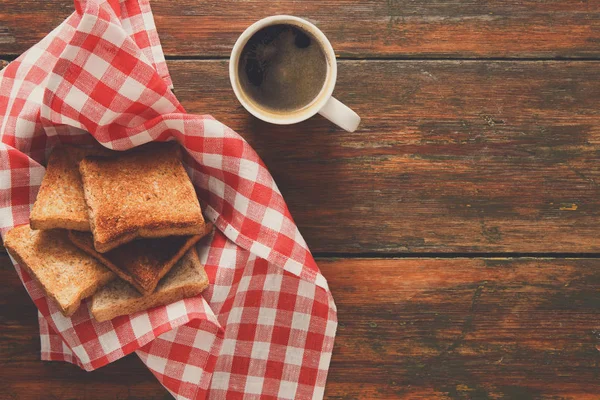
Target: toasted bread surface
66	273
144	193
186	279
60	202
141	262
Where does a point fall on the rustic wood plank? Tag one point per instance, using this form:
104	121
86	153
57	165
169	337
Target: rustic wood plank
411	328
451	156
357	28
465	329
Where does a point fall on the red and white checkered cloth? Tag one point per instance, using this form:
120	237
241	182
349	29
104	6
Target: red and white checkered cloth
265	326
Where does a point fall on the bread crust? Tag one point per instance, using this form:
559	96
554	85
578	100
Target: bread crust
144	193
141	263
65	273
186	279
60	202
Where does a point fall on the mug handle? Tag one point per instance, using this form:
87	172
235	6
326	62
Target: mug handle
340	114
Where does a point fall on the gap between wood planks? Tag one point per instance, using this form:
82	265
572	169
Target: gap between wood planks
12	57
411	58
496	255
330	256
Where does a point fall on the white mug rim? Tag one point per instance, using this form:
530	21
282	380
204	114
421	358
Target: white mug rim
323	96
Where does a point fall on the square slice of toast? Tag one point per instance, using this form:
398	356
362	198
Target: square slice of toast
60	202
66	273
142	262
144	193
186	279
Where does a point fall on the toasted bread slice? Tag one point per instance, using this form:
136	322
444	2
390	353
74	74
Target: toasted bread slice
144	193
60	202
186	279
142	262
66	273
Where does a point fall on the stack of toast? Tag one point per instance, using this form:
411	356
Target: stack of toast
120	227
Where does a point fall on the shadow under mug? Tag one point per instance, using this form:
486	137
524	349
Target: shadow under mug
324	103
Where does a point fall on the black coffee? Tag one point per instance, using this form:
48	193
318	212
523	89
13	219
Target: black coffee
282	68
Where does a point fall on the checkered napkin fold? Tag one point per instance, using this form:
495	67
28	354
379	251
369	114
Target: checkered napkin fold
265	326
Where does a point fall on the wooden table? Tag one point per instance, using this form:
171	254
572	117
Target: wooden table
459	229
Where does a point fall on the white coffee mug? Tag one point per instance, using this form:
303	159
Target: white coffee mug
324	103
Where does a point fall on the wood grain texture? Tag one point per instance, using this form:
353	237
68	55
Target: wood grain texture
408	328
468	156
356	28
452	156
465	328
